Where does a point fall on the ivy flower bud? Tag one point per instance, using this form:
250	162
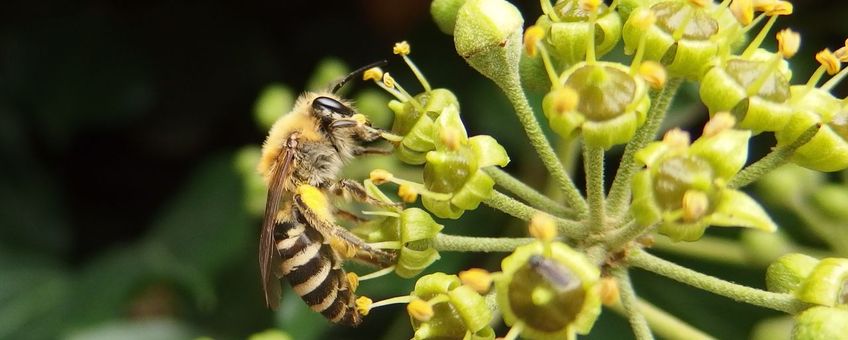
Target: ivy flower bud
787	273
444	13
554	296
826	284
488	35
682	38
755	89
415	120
612	104
682	186
831	200
574	22
828	149
456	309
820	323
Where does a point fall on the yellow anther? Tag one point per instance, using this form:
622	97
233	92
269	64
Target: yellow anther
609	291
542	227
401	48
388	80
565	99
643	18
721	121
478	279
780	8
420	310
532	36
763	5
407	193
829	61
677	138
743	11
374	73
359	118
700	3
788	42
842	52
653	73
363	305
352	280
380	176
589	5
695	204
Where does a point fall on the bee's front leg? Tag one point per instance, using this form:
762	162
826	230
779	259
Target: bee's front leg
357	192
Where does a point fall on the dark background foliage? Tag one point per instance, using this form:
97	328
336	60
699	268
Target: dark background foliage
121	210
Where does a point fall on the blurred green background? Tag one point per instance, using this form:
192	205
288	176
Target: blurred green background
122	208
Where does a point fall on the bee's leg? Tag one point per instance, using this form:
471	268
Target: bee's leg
347	215
343	241
370	150
357	192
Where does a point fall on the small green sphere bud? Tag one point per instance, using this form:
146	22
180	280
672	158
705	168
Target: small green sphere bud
488	35
828	149
444	13
827	284
832	199
821	323
570	34
788	273
789	183
274	101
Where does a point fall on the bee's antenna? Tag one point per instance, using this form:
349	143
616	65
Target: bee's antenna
357	72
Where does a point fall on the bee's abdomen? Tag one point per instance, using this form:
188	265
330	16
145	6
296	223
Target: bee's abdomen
315	274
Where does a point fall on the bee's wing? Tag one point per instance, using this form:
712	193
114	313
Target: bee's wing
268	254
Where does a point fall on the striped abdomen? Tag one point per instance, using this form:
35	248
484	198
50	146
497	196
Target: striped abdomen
312	269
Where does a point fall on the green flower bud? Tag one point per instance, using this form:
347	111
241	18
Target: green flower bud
327	71
682	187
255	188
416	126
488	35
612	104
778	328
827	284
684	50
828	149
821	323
457	309
444	13
554	295
570	31
788	273
831	200
789	183
755	90
764	248
274	101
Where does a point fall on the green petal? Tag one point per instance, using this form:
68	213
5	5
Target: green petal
644	207
825	283
726	151
737	209
488	151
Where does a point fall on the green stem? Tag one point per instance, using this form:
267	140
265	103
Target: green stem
777	157
511	87
781	302
825	230
631	309
593	164
667	325
526	193
515	208
620	191
626	233
444	242
707	248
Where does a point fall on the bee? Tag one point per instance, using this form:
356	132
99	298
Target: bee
300	240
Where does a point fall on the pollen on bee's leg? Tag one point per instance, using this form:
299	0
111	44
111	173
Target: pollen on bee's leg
342	247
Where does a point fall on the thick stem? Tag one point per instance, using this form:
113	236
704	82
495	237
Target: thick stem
444	242
781	302
526	193
513	207
631	309
511	87
630	231
777	157
593	163
620	190
707	248
666	325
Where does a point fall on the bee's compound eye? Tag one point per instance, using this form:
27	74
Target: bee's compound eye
331	105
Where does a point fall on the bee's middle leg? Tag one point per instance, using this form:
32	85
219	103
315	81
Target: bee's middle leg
357	192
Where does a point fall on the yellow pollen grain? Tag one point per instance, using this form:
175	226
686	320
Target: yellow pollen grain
352	281
542	227
401	48
380	176
407	193
763	5
363	305
532	36
374	73
788	42
609	291
780	8
721	121
589	5
743	11
653	73
829	61
420	310
388	80
478	279
359	118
